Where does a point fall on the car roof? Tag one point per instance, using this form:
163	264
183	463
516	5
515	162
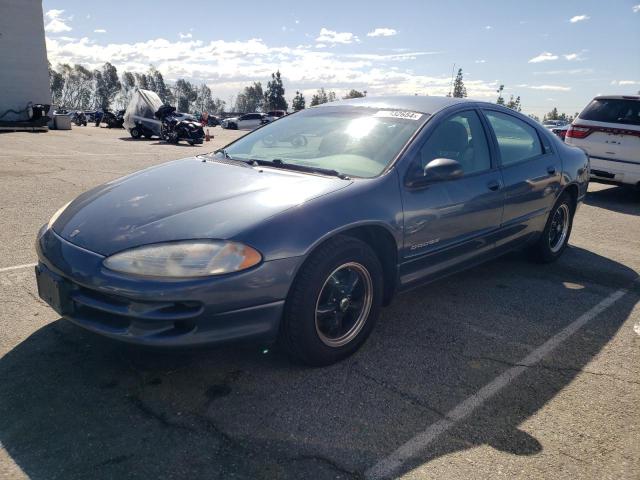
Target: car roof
423	104
617	97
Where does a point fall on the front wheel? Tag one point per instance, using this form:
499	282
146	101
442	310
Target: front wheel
135	133
333	303
555	236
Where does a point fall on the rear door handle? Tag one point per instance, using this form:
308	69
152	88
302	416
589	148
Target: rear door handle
493	185
551	170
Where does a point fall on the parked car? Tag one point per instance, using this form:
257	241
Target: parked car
561	132
139	117
246	121
303	229
275	114
112	119
608	129
551	124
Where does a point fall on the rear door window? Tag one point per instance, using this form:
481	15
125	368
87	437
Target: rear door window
613	110
517	140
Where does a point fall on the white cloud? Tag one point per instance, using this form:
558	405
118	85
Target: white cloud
636	8
184	36
575	71
574	57
552	88
333	37
488	27
543	57
481	61
228	66
57	23
99	30
579	18
382	32
625	82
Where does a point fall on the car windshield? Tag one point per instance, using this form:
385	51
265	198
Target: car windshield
352	141
613	110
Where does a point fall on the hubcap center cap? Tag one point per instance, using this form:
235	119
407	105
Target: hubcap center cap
344	304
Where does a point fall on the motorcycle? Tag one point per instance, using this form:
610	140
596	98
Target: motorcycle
174	129
79	118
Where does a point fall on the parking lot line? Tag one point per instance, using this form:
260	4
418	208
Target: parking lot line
390	465
17	267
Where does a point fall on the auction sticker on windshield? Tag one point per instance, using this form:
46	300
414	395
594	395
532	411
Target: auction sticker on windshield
398	114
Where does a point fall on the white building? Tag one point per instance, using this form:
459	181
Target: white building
24	75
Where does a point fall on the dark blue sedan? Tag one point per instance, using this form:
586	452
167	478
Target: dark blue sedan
302	230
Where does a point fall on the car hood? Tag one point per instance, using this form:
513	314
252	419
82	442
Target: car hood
185	199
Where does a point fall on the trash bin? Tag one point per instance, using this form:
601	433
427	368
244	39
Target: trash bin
62	122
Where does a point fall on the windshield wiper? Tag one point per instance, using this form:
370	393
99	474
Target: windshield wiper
226	158
278	163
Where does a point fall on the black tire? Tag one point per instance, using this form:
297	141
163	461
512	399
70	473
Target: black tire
300	333
135	133
553	241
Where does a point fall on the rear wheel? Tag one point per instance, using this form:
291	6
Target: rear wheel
333	303
135	132
555	236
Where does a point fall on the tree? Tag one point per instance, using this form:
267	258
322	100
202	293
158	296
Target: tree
251	99
355	94
107	85
215	105
552	115
78	89
320	97
459	90
534	117
274	95
56	84
203	98
298	102
185	95
500	100
514	104
331	96
128	81
159	86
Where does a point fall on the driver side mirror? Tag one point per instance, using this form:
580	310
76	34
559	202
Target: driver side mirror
437	170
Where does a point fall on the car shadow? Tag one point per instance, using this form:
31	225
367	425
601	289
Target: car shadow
141	139
618	199
75	405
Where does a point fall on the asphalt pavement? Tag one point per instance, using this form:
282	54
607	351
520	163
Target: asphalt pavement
507	370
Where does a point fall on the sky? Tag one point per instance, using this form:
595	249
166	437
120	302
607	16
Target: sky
550	53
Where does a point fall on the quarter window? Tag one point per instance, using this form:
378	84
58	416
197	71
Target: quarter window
460	137
517	140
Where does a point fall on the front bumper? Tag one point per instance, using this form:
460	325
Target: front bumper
166	313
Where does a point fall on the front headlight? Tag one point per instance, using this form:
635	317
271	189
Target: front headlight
56	215
195	258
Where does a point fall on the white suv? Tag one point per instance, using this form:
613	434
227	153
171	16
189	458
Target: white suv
246	121
608	129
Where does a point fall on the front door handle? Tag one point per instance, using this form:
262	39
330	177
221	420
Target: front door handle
551	170
493	185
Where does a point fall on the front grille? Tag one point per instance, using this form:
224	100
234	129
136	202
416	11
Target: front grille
120	306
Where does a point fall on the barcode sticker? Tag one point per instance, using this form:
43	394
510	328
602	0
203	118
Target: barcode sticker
398	114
